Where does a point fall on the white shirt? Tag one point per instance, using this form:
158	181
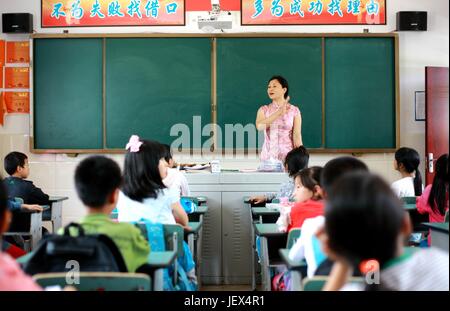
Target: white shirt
424	270
404	187
177	181
307	246
157	210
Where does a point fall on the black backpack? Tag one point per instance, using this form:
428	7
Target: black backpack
63	253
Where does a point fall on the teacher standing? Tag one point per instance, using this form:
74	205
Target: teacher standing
280	121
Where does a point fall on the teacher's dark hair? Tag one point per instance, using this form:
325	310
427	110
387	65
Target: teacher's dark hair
283	83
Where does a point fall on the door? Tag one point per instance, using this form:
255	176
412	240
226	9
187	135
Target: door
436	122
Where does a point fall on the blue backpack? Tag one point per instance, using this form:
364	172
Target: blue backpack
156	238
188	205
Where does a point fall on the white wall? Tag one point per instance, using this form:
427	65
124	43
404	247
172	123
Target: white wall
54	173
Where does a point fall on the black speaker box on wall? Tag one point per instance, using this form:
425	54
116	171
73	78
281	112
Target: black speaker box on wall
408	20
17	22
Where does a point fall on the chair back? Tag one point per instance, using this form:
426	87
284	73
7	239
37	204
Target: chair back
96	281
173	236
317	283
409	200
293	236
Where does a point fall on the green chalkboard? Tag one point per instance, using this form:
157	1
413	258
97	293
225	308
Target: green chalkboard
91	93
67	112
360	93
153	84
244	66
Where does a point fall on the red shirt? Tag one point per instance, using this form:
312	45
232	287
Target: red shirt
304	210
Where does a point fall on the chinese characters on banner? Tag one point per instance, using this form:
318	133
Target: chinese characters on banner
82	13
18	52
17	102
310	12
17	77
14	67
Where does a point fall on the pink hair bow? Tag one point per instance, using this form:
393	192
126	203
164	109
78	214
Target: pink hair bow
133	144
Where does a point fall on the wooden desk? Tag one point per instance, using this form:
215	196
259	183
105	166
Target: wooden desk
265	215
198	214
271	241
54	214
259	215
417	219
158	261
295	267
26	224
439	234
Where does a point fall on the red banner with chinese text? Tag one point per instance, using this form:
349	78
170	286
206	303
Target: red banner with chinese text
313	12
83	13
17	77
17	52
17	102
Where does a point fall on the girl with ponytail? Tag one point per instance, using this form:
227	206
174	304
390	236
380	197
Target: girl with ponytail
407	162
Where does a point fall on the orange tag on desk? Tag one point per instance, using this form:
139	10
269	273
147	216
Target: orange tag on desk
17	102
18	52
17	77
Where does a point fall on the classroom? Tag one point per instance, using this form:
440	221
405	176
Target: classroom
202	136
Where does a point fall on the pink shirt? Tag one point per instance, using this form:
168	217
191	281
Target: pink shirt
12	278
424	208
278	138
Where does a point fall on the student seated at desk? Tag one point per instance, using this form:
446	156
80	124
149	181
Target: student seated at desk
175	179
13	206
296	160
16	165
12	278
365	221
434	199
332	171
97	180
144	195
16	246
407	162
308	196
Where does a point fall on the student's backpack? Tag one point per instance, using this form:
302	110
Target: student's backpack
188	205
156	237
67	253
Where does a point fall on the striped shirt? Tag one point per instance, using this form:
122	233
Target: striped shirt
424	270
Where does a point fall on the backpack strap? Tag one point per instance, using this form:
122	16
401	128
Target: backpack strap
184	279
74	225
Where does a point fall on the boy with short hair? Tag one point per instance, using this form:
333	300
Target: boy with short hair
97	180
16	165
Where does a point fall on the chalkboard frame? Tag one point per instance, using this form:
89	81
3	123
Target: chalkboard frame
213	103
